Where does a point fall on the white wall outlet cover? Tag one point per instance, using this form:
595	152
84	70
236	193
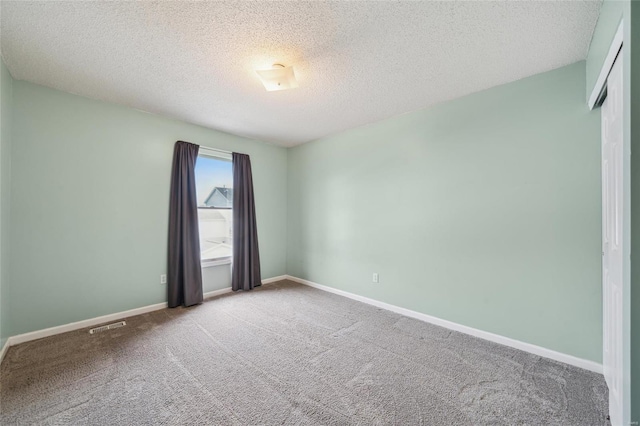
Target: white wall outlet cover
163	279
376	278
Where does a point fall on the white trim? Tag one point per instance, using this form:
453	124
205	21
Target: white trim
3	350
51	331
527	347
275	279
601	82
39	334
214	293
216	153
215	262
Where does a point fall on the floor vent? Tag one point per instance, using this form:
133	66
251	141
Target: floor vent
107	327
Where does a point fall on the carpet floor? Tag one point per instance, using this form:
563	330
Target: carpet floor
288	354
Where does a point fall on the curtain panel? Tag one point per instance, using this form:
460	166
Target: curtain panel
184	271
245	273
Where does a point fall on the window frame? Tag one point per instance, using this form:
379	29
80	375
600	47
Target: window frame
218	155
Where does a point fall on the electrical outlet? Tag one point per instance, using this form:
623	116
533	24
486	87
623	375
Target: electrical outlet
163	279
376	277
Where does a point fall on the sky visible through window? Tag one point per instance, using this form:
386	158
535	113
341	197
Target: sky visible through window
214	224
212	172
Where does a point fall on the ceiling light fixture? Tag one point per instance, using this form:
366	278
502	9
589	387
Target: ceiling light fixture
278	78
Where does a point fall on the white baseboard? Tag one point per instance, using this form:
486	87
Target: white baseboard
39	334
523	346
527	347
3	350
274	279
214	293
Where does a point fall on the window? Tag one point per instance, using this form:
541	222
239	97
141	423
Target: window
214	186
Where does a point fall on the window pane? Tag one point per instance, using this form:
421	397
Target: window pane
213	173
214	186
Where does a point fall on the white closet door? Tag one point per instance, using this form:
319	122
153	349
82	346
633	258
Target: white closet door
612	220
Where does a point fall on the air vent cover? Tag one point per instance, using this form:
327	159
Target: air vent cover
107	327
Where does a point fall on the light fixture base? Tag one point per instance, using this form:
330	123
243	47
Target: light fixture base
279	77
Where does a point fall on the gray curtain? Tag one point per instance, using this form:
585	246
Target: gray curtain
184	274
245	273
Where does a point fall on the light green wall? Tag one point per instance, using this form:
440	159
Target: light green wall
6	86
610	15
484	211
90	196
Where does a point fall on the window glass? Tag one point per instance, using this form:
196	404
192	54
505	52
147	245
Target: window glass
214	186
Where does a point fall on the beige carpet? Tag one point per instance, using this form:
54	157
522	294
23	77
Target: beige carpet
287	354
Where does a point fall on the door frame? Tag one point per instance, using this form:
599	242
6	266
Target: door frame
599	89
598	94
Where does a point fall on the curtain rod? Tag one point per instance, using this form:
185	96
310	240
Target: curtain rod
219	151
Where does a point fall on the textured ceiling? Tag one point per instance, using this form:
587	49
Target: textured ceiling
356	62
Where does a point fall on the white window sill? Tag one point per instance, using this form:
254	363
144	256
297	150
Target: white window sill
215	262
